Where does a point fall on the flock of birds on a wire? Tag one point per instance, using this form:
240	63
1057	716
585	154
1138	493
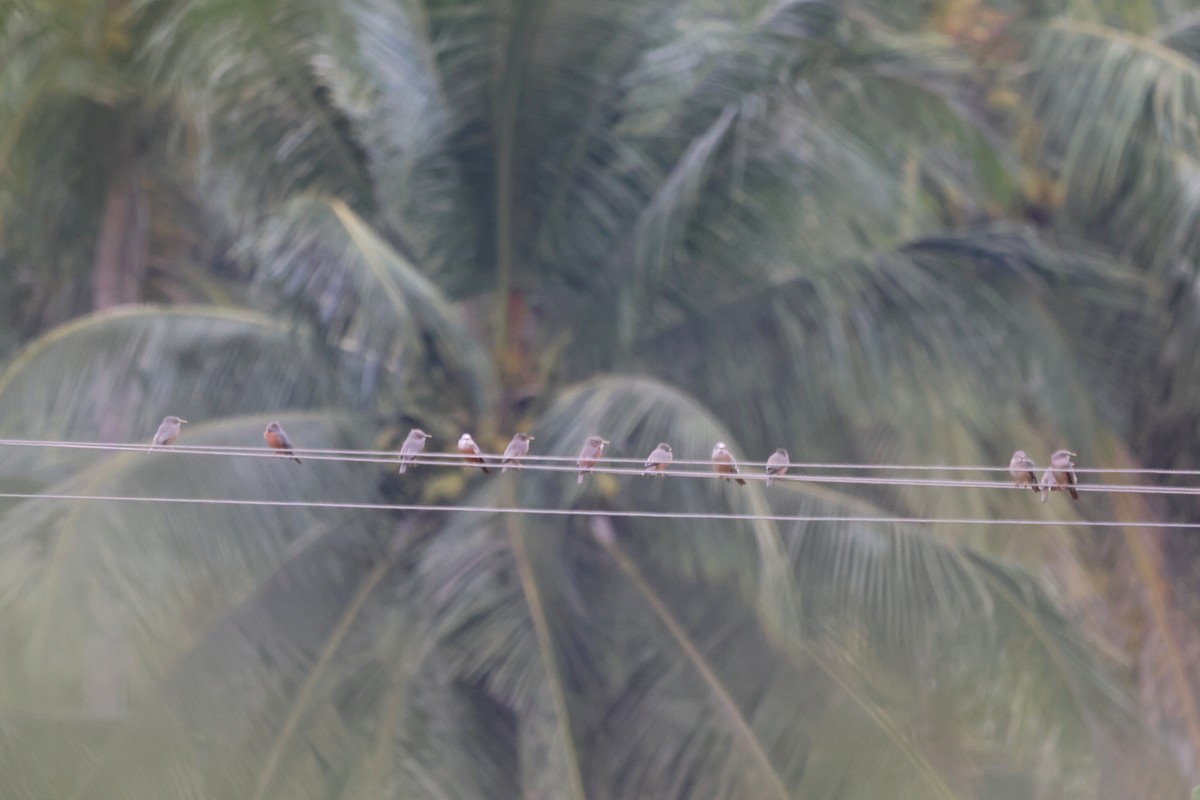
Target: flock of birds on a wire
1060	476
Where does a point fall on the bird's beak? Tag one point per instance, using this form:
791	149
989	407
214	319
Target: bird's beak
183	420
605	441
1073	455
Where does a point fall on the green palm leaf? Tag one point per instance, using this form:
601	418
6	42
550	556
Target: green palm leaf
390	323
112	377
67	558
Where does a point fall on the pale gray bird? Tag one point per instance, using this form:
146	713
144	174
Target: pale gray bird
1064	471
167	432
724	463
412	448
467	446
593	448
1049	484
777	465
517	449
1021	470
278	439
659	459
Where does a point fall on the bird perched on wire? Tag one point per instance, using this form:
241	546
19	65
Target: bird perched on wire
593	448
277	439
167	433
724	463
517	449
412	448
1049	484
1061	475
1021	469
777	465
467	446
659	459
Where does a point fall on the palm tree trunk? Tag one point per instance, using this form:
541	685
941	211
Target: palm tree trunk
121	253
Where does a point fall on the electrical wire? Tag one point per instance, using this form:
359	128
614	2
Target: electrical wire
545	461
588	512
555	464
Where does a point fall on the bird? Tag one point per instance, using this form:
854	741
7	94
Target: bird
724	463
412	448
1049	484
516	450
467	446
278	439
167	432
659	459
593	448
1064	471
777	465
1021	470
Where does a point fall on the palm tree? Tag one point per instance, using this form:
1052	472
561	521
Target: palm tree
763	225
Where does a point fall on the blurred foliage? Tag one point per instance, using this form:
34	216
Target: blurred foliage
875	232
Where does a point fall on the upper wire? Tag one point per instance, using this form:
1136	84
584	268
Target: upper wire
549	463
494	459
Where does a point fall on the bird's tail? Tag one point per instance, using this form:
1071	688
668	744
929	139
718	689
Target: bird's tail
1045	493
580	479
486	471
770	479
1074	494
298	461
403	469
740	482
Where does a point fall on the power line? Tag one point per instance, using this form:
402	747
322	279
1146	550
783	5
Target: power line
458	459
581	512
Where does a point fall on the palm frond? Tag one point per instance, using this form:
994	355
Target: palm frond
392	326
893	604
66	559
247	75
299	705
634	414
270	626
111	377
500	615
458	742
735	209
764	774
384	74
1116	112
552	763
879	363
